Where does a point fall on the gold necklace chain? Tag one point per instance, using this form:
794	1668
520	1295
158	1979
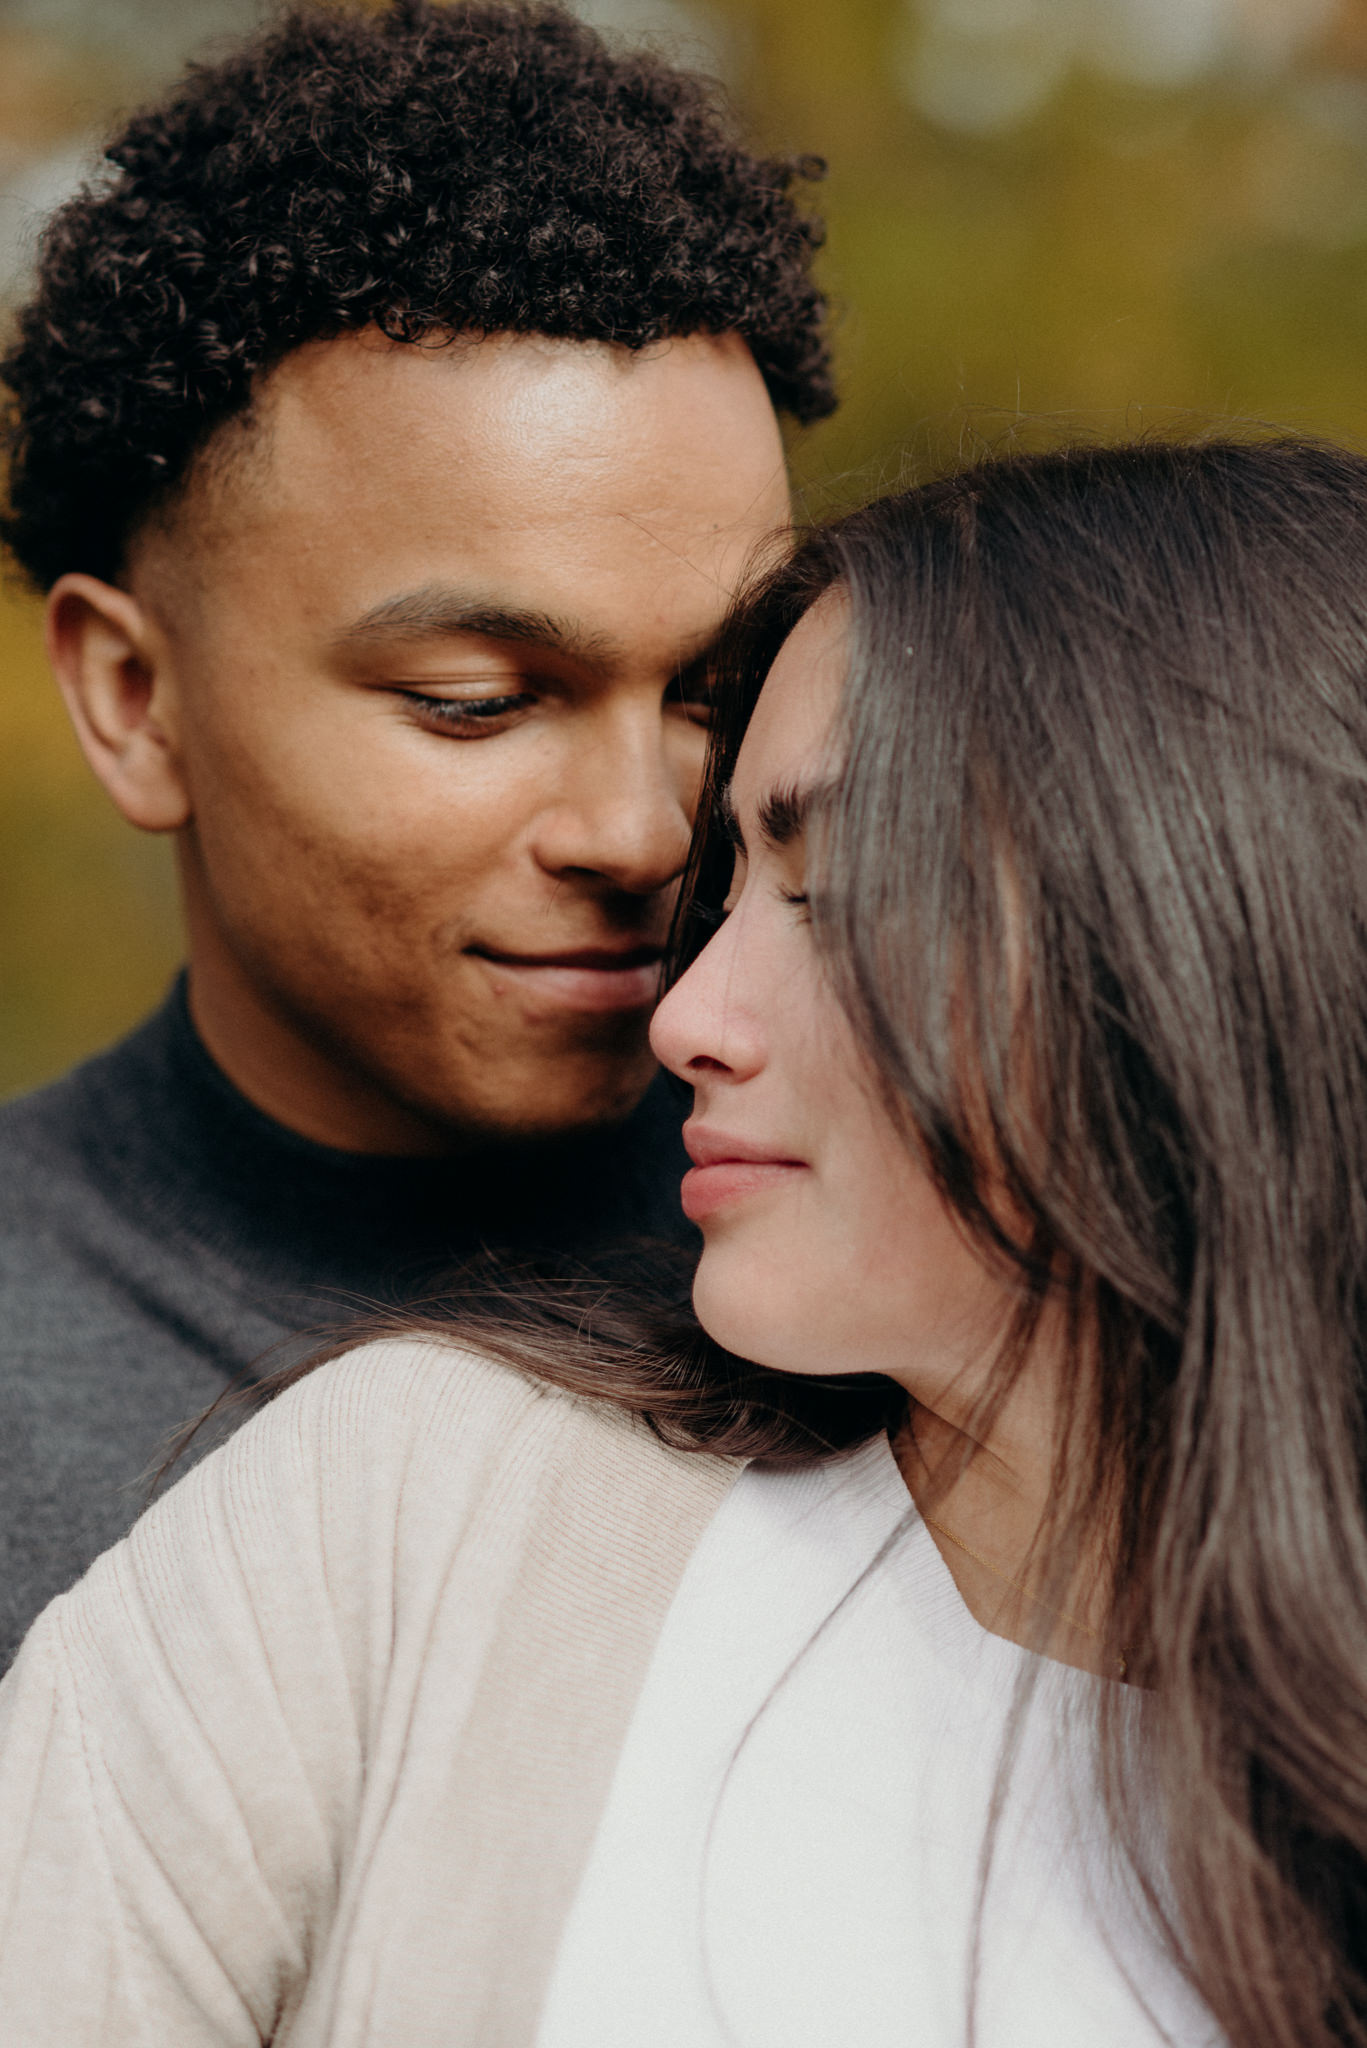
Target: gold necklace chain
1061	1613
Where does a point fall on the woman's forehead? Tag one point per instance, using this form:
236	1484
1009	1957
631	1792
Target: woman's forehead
786	742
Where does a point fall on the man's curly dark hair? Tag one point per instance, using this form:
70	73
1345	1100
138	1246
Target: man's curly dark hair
490	167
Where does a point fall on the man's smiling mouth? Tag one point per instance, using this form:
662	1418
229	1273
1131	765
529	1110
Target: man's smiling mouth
581	977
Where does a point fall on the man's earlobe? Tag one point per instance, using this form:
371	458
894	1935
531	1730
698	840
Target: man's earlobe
111	668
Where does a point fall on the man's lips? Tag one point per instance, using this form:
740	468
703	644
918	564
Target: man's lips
727	1169
580	977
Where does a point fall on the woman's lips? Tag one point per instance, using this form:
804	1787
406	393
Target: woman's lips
727	1170
706	1189
593	978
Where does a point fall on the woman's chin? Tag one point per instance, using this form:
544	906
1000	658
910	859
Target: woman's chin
753	1323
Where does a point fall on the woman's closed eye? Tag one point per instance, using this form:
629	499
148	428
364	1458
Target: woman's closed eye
717	913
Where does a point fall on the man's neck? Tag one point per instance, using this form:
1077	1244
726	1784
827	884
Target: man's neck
269	1060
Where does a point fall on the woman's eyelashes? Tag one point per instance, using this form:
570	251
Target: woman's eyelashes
795	899
716	914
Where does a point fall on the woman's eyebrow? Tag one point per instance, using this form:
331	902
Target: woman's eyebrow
785	814
782	814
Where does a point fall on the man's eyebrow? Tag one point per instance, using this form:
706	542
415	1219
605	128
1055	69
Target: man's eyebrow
437	611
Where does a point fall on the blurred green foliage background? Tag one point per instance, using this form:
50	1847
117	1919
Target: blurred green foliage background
1047	218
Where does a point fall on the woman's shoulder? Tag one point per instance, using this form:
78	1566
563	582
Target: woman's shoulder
403	1484
406	1403
418	1393
370	1473
452	1436
413	1586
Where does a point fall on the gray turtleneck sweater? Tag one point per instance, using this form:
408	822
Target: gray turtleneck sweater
158	1235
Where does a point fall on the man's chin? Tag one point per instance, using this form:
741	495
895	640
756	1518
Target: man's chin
528	1106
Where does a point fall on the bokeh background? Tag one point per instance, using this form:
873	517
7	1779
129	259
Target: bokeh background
1047	218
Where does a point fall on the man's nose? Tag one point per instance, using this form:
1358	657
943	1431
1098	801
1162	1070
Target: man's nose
622	809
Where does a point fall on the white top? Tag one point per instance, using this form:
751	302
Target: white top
789	1855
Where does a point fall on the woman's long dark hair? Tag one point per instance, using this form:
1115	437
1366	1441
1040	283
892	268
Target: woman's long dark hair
1102	823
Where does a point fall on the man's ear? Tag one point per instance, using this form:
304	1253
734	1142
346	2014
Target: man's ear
110	663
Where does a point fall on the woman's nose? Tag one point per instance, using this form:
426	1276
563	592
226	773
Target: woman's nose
703	1024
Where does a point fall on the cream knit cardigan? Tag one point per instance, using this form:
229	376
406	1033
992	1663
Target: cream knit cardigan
315	1755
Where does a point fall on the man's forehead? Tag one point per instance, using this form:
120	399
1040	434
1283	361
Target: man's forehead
522	397
371	467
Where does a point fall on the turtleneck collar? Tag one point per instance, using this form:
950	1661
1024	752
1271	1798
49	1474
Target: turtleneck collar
172	1139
